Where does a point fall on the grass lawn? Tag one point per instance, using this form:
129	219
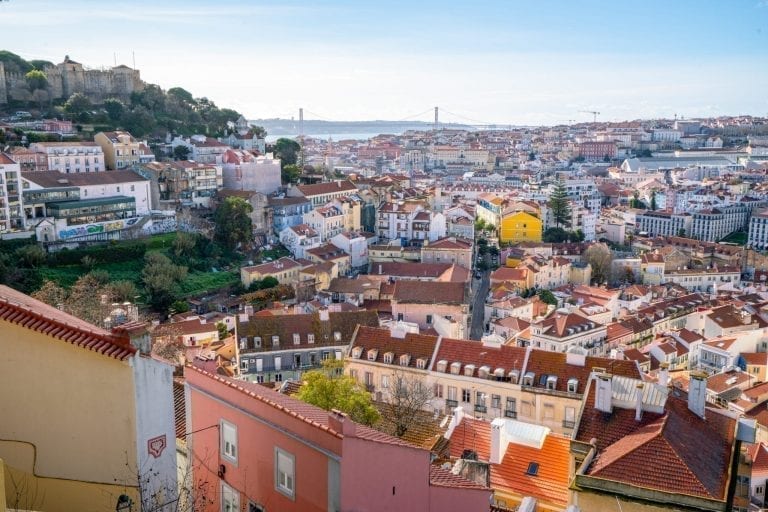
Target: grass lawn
738	237
204	282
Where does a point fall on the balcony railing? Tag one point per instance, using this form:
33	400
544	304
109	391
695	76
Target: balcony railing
510	414
370	388
568	424
481	408
451	403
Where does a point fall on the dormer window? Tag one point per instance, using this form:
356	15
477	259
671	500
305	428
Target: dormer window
514	376
573	385
357	352
337	336
405	360
275	341
469	370
296	339
552	382
243	343
421	363
257	341
483	372
442	366
310	338
372	354
455	368
528	378
389	357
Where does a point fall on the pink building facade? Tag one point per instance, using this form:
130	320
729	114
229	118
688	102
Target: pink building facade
255	449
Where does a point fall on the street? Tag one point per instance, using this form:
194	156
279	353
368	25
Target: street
478	305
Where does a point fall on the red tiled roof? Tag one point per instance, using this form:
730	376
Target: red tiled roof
440	477
20	309
416	345
550	484
429	292
661	451
326	188
544	362
475	353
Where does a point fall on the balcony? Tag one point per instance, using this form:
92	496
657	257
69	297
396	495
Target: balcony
568	424
481	408
370	388
508	413
451	403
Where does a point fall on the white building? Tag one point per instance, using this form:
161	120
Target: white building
298	239
354	244
244	171
10	198
327	221
664	223
410	222
758	231
71	157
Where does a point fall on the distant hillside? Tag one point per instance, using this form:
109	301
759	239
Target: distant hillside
290	127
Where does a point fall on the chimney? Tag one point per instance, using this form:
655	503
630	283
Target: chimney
324	316
341	423
456	417
603	392
664	374
499	441
380	270
639	402
697	393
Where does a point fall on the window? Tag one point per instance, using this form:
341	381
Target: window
278	377
759	490
496	401
353	373
253	507
480	398
276	341
230	499
325	355
228	441
438	390
257	341
385	381
337	336
133	188
429	319
244	365
310	338
296	339
399	317
466	396
278	363
284	472
570	417
549	412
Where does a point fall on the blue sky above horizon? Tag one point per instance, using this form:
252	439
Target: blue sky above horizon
510	62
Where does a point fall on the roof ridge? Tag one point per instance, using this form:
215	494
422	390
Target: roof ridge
264	399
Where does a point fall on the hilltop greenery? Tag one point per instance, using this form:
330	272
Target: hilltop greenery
152	111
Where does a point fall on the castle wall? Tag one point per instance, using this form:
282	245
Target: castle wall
3	88
68	78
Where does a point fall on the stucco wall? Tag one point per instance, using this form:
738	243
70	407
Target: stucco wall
76	408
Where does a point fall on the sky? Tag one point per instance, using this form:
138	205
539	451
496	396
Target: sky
516	62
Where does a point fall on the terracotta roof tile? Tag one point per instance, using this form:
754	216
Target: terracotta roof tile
544	362
443	478
418	346
20	309
430	292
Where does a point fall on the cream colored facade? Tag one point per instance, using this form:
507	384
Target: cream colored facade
120	149
554	409
76	422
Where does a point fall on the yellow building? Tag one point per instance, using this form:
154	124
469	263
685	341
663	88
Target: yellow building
82	413
285	270
520	226
120	149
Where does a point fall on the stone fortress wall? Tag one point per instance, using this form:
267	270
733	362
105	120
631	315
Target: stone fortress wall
69	77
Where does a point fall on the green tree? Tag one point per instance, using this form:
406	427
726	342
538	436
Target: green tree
114	108
78	106
287	150
181	152
51	293
183	247
161	279
223	331
36	79
179	306
233	223
681	232
560	205
139	121
554	235
548	297
635	202
653	200
290	174
259	131
123	291
182	95
328	388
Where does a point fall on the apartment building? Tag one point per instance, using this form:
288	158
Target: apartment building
564	331
486	379
274	452
327	221
10	195
120	149
288	211
410	222
712	225
71	157
188	183
285	270
297	239
448	250
758	231
664	223
703	279
598	151
322	193
243	170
